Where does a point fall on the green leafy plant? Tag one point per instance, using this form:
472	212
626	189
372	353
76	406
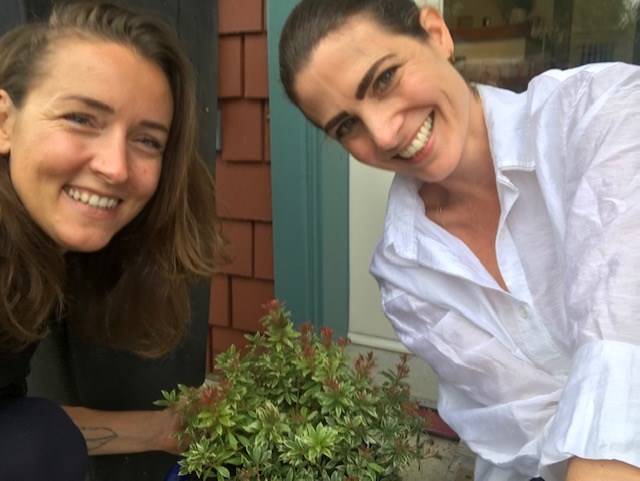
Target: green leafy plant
296	406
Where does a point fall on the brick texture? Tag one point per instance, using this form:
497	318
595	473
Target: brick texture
243	177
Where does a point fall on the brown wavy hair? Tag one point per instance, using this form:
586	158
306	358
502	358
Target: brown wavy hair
134	293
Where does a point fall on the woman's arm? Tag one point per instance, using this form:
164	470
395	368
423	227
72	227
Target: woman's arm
119	432
601	470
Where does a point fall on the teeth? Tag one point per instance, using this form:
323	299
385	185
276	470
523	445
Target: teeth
93	200
419	142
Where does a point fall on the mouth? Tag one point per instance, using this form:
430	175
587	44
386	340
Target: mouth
92	199
420	140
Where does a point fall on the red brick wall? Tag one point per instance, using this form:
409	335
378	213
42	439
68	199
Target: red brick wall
243	175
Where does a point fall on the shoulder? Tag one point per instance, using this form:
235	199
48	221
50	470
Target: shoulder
14	368
568	87
582	71
590	100
560	94
576	108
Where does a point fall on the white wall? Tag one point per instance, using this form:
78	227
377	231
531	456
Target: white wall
369	329
368	189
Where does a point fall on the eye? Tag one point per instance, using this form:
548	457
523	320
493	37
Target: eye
346	127
78	118
384	80
150	143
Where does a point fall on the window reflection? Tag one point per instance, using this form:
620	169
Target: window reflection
507	42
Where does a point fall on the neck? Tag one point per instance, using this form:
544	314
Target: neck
474	178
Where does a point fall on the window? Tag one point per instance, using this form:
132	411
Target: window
507	42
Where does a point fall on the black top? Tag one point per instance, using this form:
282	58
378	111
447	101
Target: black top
14	368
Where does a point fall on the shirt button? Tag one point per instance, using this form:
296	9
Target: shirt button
524	313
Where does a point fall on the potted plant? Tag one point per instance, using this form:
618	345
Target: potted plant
295	406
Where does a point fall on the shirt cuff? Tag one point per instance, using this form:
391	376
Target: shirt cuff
598	416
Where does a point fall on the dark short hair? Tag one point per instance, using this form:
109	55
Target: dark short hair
312	20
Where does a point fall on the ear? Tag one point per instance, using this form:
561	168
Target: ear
439	35
7	117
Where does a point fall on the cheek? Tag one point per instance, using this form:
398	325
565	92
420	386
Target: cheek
147	179
363	149
49	156
24	169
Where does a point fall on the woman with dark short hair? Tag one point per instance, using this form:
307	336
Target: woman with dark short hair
510	258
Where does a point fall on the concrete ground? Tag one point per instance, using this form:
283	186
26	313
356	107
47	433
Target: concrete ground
449	461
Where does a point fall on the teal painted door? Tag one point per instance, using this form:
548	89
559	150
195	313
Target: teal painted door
310	178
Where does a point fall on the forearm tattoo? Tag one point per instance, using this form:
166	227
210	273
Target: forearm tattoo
98	437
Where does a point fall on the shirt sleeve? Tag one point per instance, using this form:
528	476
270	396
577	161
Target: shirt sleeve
598	416
497	402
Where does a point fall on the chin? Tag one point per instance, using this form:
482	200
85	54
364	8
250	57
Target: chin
84	246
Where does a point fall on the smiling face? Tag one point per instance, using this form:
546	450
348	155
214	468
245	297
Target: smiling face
393	101
85	147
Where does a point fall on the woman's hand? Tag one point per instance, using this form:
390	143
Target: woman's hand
601	470
168	422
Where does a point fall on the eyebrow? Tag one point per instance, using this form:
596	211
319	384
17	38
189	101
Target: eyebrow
363	86
99	105
368	77
334	121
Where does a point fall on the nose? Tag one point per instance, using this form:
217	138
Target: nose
110	160
384	128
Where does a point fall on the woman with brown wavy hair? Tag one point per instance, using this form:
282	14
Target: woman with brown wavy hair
107	216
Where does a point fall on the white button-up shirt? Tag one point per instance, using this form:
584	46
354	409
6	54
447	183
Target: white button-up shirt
551	369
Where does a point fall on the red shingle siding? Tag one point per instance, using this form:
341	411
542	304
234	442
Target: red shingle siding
244	190
222	338
243	176
240	237
263	251
256	79
220	304
240	16
267	134
230	84
247	298
242	126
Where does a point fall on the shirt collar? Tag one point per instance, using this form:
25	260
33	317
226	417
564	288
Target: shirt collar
507	119
404	202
